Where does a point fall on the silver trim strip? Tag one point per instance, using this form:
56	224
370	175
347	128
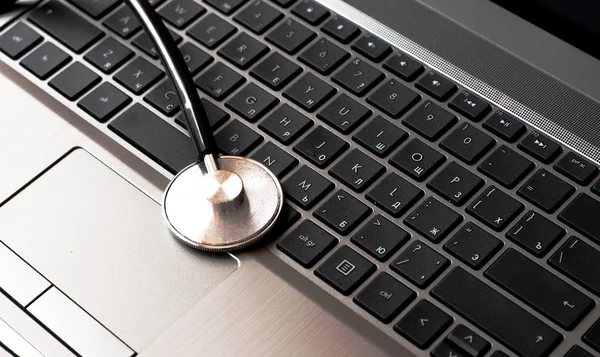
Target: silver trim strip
437	63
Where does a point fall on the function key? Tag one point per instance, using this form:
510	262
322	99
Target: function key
279	162
252	102
341	29
284	3
344	114
380	136
258	17
181	13
285	124
380	237
358	77
219	81
342	212
307	243
403	66
345	270
468	341
540	147
321	147
291	36
470	105
546	190
74	81
473	245
372	47
455	183
468	143
393	98
226	6
237	139
96	8
310	11
357	170
108	55
139	75
430	120
309	92
495	208
305	187
436	86
243	50
18	40
211	31
104	102
417	160
324	56
123	22
385	297
506	166
395	195
536	233
45	60
505	126
577	168
276	71
433	220
423	324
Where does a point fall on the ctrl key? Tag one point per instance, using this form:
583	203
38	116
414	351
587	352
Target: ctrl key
307	244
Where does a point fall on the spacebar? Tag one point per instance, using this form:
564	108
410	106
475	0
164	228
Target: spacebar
155	137
495	314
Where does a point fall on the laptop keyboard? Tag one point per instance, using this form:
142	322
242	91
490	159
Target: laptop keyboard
401	186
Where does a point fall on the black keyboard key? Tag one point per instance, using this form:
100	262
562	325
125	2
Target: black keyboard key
495	208
506	166
123	22
395	195
108	55
500	354
423	324
252	102
385	297
181	13
540	147
211	31
66	26
470	105
237	139
144	43
284	3
596	188
164	98
104	102
195	58
342	212
154	137
310	11
305	187
275	159
341	29
455	183
393	98
95	8
435	85
45	60
380	136
445	349
579	261
468	341
357	170
243	50
592	336
430	120
287	218
219	81
307	244
417	160
577	351
495	314
403	66
419	264
276	71
216	116
324	56
380	237
345	270
344	114
74	81
543	291
583	214
310	92
139	75
576	168
291	36
468	143
473	245
285	124
546	191
258	17
226	6
433	220
18	40
321	147
536	233
505	126
358	77
372	47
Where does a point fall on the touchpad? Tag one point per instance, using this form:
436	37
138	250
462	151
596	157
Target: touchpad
104	243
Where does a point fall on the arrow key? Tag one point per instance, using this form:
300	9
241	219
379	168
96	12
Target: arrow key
342	212
471	343
423	324
444	349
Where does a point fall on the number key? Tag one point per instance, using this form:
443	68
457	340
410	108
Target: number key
291	36
358	77
430	120
324	56
468	143
393	98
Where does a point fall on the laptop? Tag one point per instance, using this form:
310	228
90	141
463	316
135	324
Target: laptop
439	161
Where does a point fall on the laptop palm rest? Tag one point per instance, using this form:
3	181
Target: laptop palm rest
103	243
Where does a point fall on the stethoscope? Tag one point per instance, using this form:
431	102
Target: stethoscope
220	203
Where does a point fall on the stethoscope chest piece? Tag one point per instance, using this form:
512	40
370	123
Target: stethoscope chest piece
223	210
